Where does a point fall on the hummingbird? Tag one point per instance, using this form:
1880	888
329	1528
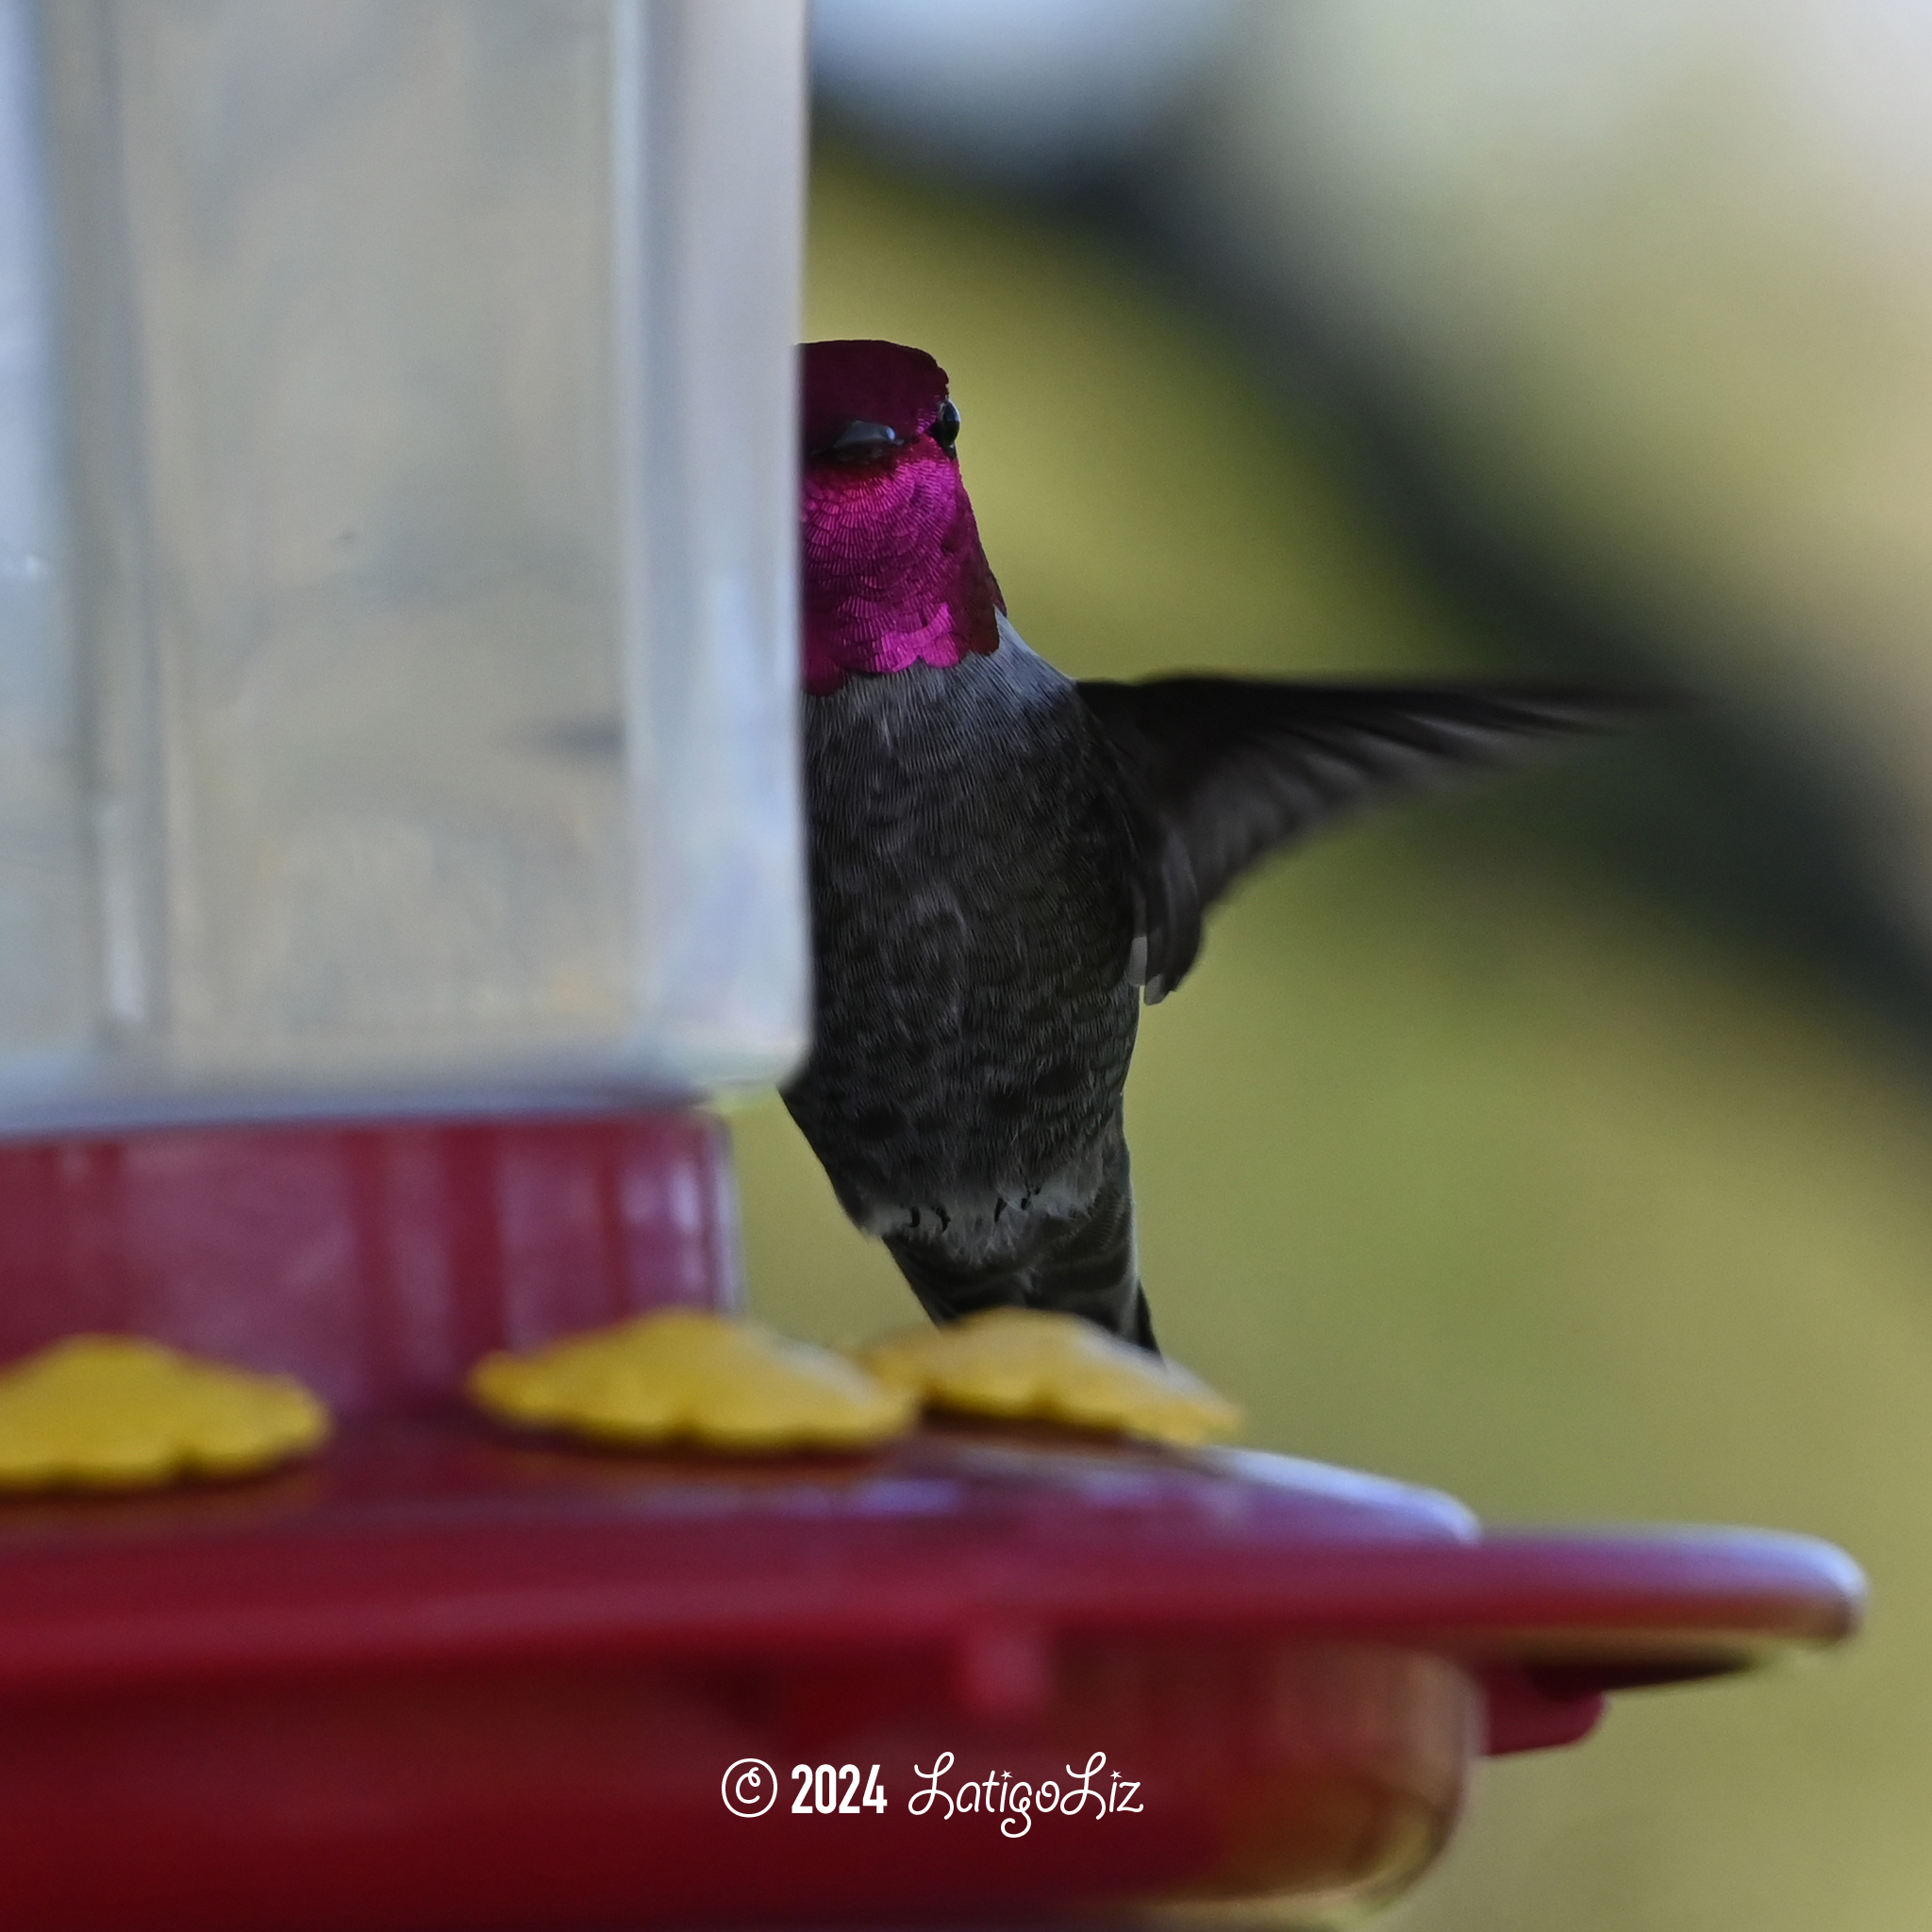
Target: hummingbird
1007	862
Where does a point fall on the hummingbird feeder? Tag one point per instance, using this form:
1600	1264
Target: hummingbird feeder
399	842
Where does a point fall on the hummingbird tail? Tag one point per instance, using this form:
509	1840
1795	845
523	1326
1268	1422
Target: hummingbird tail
1085	1264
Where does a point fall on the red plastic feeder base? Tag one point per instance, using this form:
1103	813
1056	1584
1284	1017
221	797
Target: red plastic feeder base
446	1678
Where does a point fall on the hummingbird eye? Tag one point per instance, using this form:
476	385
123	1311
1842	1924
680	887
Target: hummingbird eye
945	432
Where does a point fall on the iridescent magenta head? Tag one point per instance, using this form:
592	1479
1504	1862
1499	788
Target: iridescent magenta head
893	573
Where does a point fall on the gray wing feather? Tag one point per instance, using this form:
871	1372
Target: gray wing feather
1215	773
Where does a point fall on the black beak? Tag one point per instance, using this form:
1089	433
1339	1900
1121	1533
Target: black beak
856	440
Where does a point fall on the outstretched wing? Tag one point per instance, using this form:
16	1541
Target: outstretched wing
1217	772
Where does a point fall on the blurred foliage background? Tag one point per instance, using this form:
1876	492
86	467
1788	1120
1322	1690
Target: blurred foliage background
1565	1145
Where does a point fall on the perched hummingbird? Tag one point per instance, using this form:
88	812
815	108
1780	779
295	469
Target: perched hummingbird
1006	861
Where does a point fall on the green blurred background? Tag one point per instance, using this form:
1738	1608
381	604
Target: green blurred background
1472	1153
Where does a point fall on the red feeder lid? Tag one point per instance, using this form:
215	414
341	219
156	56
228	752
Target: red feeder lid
444	1677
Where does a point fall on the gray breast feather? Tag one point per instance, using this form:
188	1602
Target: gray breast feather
971	917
